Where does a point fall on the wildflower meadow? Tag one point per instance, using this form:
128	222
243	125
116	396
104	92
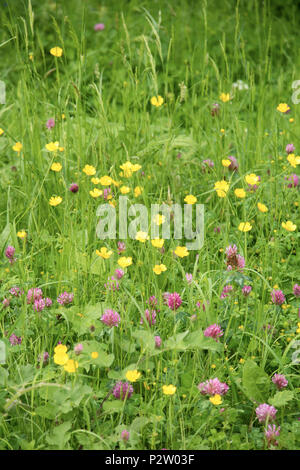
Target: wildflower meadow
149	225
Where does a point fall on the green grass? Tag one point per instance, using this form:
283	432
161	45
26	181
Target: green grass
99	92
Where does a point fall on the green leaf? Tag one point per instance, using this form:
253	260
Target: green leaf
281	398
114	406
60	436
176	342
145	339
255	382
197	340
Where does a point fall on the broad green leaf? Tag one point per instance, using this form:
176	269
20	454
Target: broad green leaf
114	406
59	437
255	381
281	398
197	340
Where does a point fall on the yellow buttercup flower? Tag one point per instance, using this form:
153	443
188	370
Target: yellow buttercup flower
226	163
124	261
94	355
293	161
95	180
106	180
22	234
55	200
60	348
124	189
158	242
261	207
132	375
245	227
216	399
222	188
142	237
71	366
56	51
159	219
96	192
104	253
138	191
190	199
289	226
240	192
135	167
283	107
52	146
128	168
252	179
61	358
181	251
224	97
17	147
169	389
1	131
157	101
159	268
89	170
56	167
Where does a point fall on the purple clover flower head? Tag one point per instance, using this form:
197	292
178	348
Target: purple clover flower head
48	302
125	435
280	381
174	301
202	305
246	290
99	26
9	253
121	390
14	340
106	193
16	291
150	317
213	331
44	357
234	166
111	318
290	148
231	251
296	290
34	294
234	260
74	188
271	433
121	247
158	341
119	273
152	301
208	163
39	305
277	297
50	123
215	110
264	412
294	180
225	291
112	284
65	298
213	387
78	349
6	303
